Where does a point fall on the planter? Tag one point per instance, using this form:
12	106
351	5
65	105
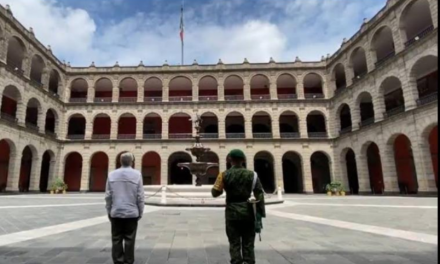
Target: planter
329	193
52	192
343	193
64	191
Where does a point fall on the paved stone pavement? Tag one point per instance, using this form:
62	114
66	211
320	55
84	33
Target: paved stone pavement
197	236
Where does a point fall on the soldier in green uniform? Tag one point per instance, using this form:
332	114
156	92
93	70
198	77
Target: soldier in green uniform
241	221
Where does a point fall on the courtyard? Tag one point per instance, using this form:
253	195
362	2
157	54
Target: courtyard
74	228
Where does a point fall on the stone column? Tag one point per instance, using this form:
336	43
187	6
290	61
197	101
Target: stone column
273	90
114	130
275	128
340	169
21	112
222	129
371	58
379	107
410	93
45	78
166	90
140	93
115	95
14	171
434	12
300	88
1	99
140	129
223	153
91	95
85	174
89	130
195	91
165	130
164	167
363	173
355	116
307	176
35	177
26	67
221	90
247	90
42	121
248	129
389	169
424	167
303	124
278	169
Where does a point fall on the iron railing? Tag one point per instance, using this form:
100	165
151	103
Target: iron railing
420	36
101	137
234	97
346	130
127	99
126	136
14	69
51	134
36	83
103	100
209	135
78	100
208	98
318	135
427	99
314	96
385	58
262	135
180	136
261	97
9	117
153	99
235	135
32	127
340	90
287	96
152	136
180	98
367	122
394	111
290	135
76	137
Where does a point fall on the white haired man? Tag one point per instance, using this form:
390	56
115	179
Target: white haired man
125	199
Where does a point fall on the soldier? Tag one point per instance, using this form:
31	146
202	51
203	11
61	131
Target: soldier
241	221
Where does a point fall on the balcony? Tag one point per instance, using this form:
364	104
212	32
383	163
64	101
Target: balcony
318	135
359	77
36	84
180	136
314	96
346	130
209	135
340	90
208	98
103	100
76	137
260	97
424	33
235	135
15	70
127	99
152	136
9	118
394	111
367	122
32	127
431	98
153	99
234	97
290	135
127	136
180	98
101	137
384	59
287	96
262	135
51	134
78	100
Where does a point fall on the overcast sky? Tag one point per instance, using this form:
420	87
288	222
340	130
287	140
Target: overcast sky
128	31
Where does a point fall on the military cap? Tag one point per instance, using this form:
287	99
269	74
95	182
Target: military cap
237	154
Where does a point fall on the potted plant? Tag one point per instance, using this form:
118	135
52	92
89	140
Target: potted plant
58	186
335	188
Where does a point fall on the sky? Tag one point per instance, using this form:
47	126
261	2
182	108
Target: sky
130	31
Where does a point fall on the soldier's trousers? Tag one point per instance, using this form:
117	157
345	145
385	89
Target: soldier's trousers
123	240
241	235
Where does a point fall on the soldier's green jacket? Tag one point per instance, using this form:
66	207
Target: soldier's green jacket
237	182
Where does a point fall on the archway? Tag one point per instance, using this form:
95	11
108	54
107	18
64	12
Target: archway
316	125
345	119
393	94
366	107
16	54
151	168
180	126
102	127
340	77
425	76
260	88
209	126
359	63
5	157
289	125
180	89
128	91
54	82
352	172
153	90
375	169
103	91
235	127
99	167
234	88
293	173
73	172
383	45
152	126
433	144
264	167
313	86
177	175
33	111
262	125
51	120
405	166
286	87
25	169
37	69
208	89
45	170
416	21
77	127
127	125
10	102
78	91
321	176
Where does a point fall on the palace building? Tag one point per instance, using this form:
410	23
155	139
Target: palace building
365	116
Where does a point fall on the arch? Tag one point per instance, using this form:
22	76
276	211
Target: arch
77	127
128	90
180	126
316	124
392	90
433	147
313	86
260	87
405	165
293	173
208	89
54	82
127	125
99	167
78	90
212	173
46	170
103	90
375	169
152	126
235	125
340	76
366	108
321	175
6	151
352	171
286	86
151	168
264	167
209	126
73	171
345	121
289	125
176	175
37	68
416	21
16	54
234	88
424	74
27	158
262	125
102	124
11	99
153	89
33	110
180	89
51	121
358	62
383	44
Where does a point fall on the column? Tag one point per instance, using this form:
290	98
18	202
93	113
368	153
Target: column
1	99
398	40
434	12
307	177
114	130
248	129
379	107
14	171
26	67
222	156
91	95
115	97
247	90
278	168
410	93
195	91
35	177
340	169
363	173
221	129
21	112
273	90
166	90
389	169
371	59
303	124
221	89
85	174
138	156
112	160
300	88
140	129
89	130
45	78
275	128
165	130
424	167
164	167
355	116
42	121
140	93
349	72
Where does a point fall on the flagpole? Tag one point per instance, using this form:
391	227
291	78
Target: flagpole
183	36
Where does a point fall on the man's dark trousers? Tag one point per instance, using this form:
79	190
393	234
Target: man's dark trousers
241	235
123	238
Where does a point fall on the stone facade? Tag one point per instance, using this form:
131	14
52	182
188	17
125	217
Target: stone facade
416	121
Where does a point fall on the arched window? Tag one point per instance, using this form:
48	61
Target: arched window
153	90
375	169
366	107
424	75
180	126
10	101
316	125
15	55
262	125
405	165
37	69
78	91
293	173
73	172
345	119
286	87
127	127
416	21
321	175
103	91
234	88
393	94
208	89
359	64
151	168
51	122
128	91
209	125
102	127
153	127
235	126
180	89
54	82
313	86
289	125
340	77
98	172
383	45
264	167
77	127
33	111
260	88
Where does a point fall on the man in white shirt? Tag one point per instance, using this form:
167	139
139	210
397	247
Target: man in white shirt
125	201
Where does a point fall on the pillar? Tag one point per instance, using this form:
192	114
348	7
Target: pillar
21	112
355	116
140	129
389	169
166	90
140	93
247	90
379	107
424	167
164	167
248	129
34	184
307	177
363	173
45	79
278	169
275	128
115	96
273	90
42	121
221	129
221	90
303	124
14	170
300	88
114	130
165	130
1	98
85	174
91	95
89	130
410	93
195	91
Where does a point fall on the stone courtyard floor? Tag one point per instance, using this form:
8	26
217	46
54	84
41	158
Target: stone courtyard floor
306	229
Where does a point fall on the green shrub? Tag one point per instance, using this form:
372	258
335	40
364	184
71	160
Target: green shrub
58	184
335	187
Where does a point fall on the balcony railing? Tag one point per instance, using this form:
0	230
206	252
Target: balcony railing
36	83
261	97
32	127
208	98
262	135
346	130
103	100
340	90
209	135
126	136
235	135
127	99
359	77
290	135
313	96
287	96
101	137
51	134
78	100
152	136
180	98
17	71
427	99
420	36
180	136
318	135
385	58
76	137
367	122
153	99
9	118
394	111
234	97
